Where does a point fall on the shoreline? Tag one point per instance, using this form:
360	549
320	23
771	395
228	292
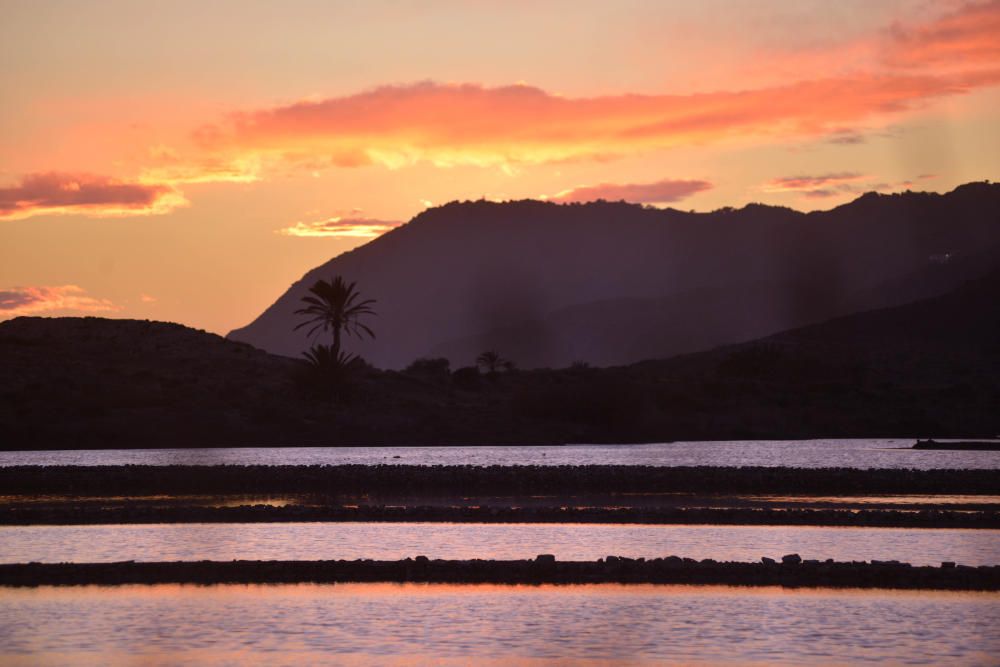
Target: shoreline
790	571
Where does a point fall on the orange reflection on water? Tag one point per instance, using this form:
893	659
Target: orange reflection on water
418	624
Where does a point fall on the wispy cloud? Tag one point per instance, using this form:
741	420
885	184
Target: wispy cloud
966	38
340	227
17	301
660	192
89	194
837	185
811	183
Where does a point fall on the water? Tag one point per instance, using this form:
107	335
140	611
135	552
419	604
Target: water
415	624
870	453
391	541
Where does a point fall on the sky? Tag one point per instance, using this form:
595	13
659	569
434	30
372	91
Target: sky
188	161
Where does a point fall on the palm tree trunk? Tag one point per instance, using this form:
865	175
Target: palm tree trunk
336	342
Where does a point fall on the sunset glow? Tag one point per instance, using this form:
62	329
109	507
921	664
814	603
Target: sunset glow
138	175
44	300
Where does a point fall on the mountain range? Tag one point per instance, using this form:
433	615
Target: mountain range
606	283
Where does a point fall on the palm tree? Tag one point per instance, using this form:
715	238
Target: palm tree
492	362
334	306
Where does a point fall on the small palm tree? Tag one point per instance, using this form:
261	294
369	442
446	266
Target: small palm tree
334	306
322	356
491	362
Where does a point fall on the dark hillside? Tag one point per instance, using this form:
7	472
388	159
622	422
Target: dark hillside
929	368
615	283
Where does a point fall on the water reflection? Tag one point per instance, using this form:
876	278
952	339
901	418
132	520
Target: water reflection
390	541
408	624
856	453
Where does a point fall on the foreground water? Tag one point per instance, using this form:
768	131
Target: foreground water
391	541
870	453
409	624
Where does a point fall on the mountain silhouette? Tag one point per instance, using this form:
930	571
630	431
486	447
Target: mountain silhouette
614	283
927	368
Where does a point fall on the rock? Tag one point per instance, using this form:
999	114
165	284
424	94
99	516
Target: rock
791	559
422	559
767	561
545	558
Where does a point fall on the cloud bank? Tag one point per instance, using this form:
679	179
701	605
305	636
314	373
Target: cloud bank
898	70
904	67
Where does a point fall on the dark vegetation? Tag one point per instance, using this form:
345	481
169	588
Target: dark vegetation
791	571
430	481
929	369
335	307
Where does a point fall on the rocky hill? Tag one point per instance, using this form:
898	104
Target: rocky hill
614	283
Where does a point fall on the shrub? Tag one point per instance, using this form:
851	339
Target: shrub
436	370
329	374
467	377
604	403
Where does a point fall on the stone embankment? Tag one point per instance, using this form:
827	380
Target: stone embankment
790	571
966	445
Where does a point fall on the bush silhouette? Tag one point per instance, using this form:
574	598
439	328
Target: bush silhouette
467	377
435	370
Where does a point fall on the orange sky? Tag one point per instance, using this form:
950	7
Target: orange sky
176	161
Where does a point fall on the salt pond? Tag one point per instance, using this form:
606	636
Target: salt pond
408	624
390	541
858	453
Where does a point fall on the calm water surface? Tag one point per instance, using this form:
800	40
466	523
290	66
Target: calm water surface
794	453
416	624
389	541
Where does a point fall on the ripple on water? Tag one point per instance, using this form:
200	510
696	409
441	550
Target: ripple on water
448	624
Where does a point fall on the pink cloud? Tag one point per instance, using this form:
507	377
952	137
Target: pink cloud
98	196
470	124
838	93
660	192
804	183
892	72
967	37
837	185
822	193
895	71
17	301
